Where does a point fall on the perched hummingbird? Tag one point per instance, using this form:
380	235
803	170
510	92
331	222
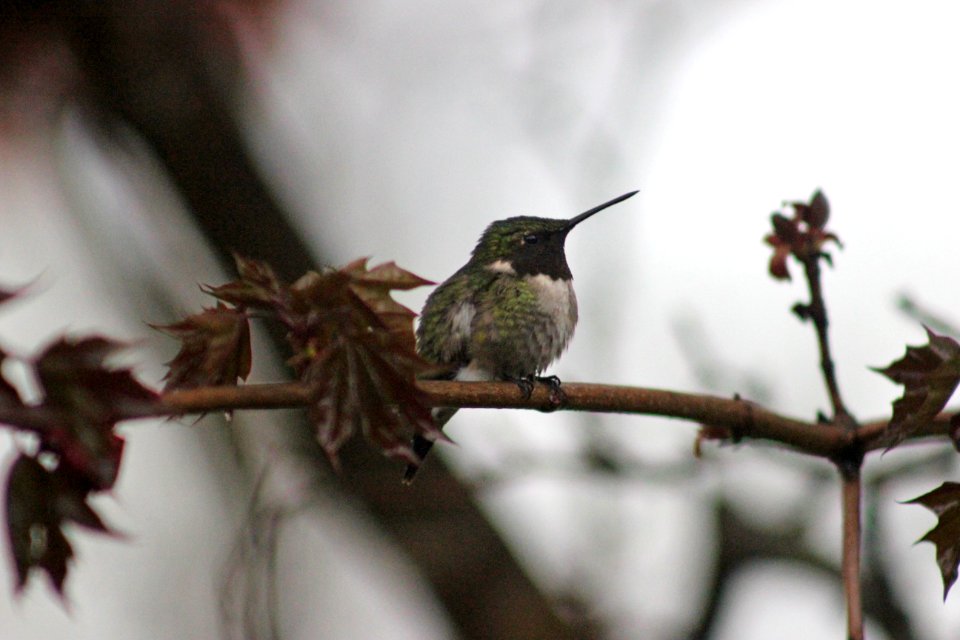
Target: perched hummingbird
506	314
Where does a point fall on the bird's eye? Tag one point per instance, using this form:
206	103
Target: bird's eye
530	238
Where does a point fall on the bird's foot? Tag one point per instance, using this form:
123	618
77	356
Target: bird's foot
557	395
526	385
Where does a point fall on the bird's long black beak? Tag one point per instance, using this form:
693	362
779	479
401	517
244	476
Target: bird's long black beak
586	214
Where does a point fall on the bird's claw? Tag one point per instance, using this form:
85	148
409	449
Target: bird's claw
557	395
526	385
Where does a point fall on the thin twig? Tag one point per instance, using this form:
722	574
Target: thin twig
817	312
848	461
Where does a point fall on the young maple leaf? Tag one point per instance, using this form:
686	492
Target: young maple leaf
801	236
76	373
355	344
88	396
258	286
351	340
373	288
214	350
38	503
814	213
944	501
929	374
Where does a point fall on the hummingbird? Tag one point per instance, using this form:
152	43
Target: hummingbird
506	314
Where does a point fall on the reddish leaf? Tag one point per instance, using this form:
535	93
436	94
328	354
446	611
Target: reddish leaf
355	343
929	374
785	230
778	263
215	349
258	286
802	235
373	288
38	503
85	397
944	501
816	212
386	276
349	337
75	374
360	388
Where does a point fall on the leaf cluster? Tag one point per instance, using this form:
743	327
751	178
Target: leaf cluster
349	339
930	374
75	451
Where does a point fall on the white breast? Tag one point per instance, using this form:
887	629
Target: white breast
558	301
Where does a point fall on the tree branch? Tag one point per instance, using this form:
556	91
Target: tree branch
733	418
740	418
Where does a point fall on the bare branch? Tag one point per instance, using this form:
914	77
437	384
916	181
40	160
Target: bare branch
816	310
740	418
734	418
850	569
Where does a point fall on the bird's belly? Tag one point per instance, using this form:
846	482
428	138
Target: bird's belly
531	344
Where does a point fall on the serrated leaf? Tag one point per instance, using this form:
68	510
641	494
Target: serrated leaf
355	343
387	275
350	339
361	390
39	502
373	288
258	286
214	350
930	374
944	501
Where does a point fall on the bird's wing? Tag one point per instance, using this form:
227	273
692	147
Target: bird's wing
443	335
